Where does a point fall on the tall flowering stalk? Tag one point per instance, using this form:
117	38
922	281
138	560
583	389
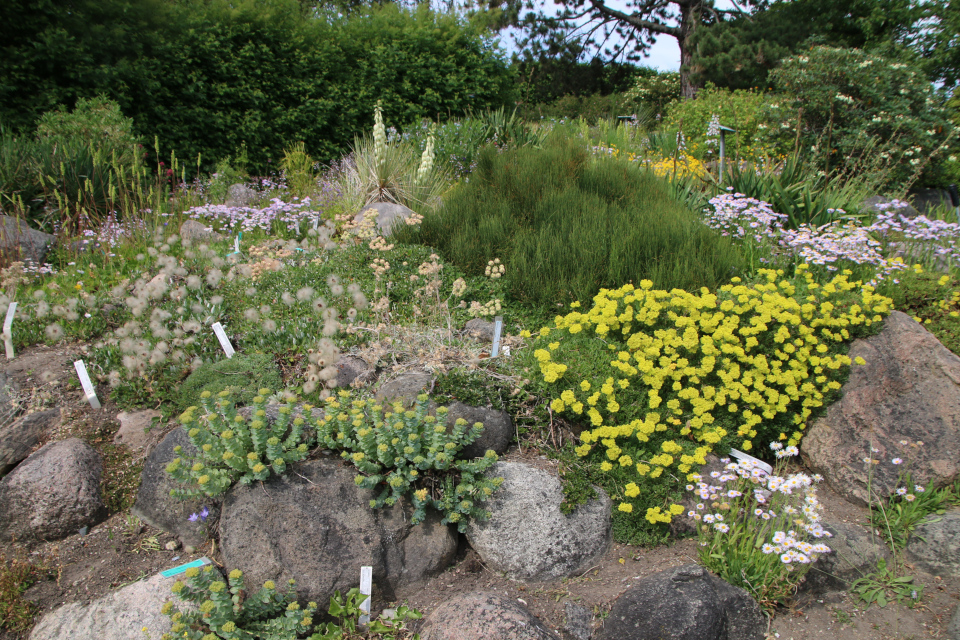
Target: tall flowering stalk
426	161
759	531
379	135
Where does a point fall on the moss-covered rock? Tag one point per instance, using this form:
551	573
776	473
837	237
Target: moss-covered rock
243	375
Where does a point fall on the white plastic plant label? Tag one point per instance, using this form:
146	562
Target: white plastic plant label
366	588
224	340
497	331
236	244
744	457
87	384
8	329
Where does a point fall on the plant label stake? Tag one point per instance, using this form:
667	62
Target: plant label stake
224	340
236	243
366	588
87	384
744	457
169	573
497	330
7	329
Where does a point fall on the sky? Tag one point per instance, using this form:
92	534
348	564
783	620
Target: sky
664	55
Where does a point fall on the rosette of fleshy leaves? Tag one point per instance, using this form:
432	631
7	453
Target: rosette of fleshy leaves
403	452
225	610
231	448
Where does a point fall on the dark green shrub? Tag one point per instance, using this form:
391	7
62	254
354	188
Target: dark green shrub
258	74
205	78
590	108
566	224
242	375
863	112
95	123
655	92
63	183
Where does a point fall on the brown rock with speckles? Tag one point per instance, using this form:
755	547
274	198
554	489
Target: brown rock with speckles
53	493
483	616
908	391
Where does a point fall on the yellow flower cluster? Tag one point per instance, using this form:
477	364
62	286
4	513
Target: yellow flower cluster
685	165
749	363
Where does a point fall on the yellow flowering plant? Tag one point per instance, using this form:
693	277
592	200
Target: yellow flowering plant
225	610
230	448
662	378
410	452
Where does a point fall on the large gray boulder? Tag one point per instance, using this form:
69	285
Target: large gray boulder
135	428
240	195
52	494
479	329
119	615
934	545
482	615
684	603
908	391
20	242
22	435
314	524
389	216
353	371
155	505
193	231
405	388
953	628
497	433
528	537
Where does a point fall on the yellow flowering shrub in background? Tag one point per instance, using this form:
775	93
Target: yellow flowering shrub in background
662	378
684	165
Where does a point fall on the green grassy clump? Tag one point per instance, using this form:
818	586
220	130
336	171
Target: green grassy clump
242	375
908	507
930	298
16	576
566	224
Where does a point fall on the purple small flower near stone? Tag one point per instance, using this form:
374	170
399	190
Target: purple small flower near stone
202	516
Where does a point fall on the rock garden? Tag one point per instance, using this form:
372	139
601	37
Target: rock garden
578	394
